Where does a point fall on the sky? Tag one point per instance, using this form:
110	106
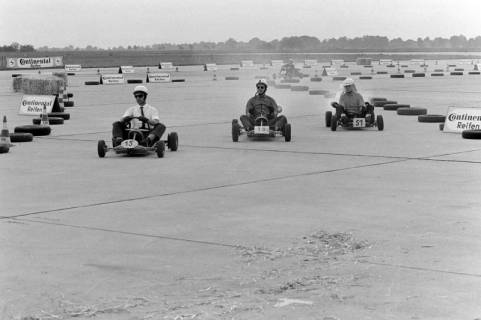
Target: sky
113	23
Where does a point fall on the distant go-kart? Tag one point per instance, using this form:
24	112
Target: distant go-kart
261	129
355	119
135	144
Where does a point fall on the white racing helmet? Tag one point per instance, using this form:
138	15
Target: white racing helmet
141	89
348	82
262	81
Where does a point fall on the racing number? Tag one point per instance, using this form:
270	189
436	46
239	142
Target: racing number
129	143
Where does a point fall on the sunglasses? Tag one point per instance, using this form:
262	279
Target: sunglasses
261	87
138	95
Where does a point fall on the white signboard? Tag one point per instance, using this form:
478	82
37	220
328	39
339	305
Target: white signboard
159	77
73	67
337	61
33	104
385	61
417	61
166	66
210	67
112	79
126	69
247	64
459	119
310	62
329	72
29	63
277	63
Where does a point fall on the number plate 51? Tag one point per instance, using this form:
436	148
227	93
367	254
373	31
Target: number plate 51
358	122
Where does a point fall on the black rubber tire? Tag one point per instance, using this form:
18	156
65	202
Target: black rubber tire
232	78
382	103
69	95
4	148
418	75
287	132
299	88
318	92
101	148
381	72
411	111
70	73
328	118
375	99
135	81
68	103
51	120
173	141
471	134
283	86
380	123
316	79
474	72
92	83
290	80
178	80
160	148
365	77
431	118
395	106
63	115
21	137
339	78
456	73
333	123
36	130
356	73
437	74
398	76
235	131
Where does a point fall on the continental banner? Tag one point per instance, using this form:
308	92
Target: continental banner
112	79
73	67
33	104
159	77
459	119
34	63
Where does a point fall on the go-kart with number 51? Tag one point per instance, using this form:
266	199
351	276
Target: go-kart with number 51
136	144
354	117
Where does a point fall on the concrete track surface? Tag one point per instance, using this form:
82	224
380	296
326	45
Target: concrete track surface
341	225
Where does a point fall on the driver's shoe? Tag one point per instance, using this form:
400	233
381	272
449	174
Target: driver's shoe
116	141
368	118
343	118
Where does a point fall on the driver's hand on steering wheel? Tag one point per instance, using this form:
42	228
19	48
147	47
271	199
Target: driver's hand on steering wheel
143	119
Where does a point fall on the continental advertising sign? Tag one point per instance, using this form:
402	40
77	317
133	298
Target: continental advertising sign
159	77
34	63
459	119
33	104
112	79
73	67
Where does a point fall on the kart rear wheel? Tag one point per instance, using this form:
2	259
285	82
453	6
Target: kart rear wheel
235	131
328	118
287	132
333	123
160	148
173	141
101	148
380	122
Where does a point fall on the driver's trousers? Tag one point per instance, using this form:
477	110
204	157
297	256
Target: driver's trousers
249	122
119	130
368	109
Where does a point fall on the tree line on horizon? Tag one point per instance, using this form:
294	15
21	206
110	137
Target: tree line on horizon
286	44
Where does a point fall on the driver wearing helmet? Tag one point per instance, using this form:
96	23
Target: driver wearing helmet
142	116
262	104
350	99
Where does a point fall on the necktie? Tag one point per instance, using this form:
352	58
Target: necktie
142	113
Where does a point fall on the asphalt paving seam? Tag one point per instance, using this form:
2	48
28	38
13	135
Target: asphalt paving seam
202	189
220	244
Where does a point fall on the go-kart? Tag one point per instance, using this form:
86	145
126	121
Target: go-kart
136	143
355	118
261	129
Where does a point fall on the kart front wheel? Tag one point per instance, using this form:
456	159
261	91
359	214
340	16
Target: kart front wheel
173	141
160	148
101	148
380	123
328	118
287	132
235	131
333	123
